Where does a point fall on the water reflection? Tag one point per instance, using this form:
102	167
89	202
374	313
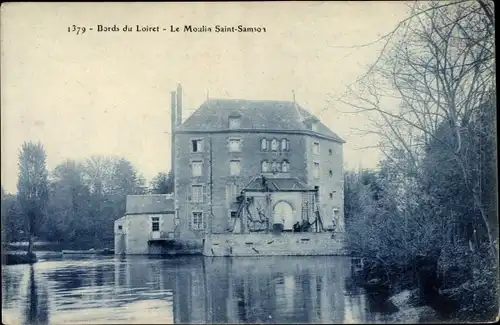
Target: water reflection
184	290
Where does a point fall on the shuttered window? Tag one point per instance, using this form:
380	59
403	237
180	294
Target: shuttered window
234	167
197	193
196	168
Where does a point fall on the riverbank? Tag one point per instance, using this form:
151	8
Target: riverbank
431	290
13	258
57	246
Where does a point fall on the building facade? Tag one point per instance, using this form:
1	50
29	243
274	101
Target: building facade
147	224
226	144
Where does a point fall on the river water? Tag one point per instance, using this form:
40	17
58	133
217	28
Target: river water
185	290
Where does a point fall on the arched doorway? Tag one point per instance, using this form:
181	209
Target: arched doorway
283	213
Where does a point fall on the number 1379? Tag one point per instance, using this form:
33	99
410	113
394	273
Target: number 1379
76	29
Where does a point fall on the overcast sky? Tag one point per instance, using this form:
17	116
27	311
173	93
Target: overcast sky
109	93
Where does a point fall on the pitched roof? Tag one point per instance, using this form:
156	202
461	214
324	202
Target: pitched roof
151	203
213	115
277	184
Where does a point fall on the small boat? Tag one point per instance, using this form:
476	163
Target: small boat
105	251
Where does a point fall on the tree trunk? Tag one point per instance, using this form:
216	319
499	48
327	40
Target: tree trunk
478	204
30	245
31	235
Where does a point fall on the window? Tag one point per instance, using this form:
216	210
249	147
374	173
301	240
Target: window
316	148
263	144
197	193
285	166
155	224
314	126
316	170
234	167
265	166
197	145
331	173
196	168
120	227
233	214
197	221
331	195
234	145
275	167
232	192
284	145
330	152
234	122
274	145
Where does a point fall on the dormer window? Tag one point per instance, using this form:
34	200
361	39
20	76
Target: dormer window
234	120
234	123
314	126
274	145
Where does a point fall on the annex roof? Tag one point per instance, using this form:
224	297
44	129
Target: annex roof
149	204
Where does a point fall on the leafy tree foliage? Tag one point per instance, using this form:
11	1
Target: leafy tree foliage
82	199
32	187
13	221
162	183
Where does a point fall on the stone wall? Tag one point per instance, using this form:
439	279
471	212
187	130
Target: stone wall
250	156
136	231
216	212
330	158
274	244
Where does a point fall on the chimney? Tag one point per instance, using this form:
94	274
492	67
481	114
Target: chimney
173	114
179	105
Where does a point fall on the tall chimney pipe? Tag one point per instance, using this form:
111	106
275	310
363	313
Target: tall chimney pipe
179	105
173	121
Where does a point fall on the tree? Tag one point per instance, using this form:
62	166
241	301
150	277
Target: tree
97	175
437	67
69	203
162	183
431	99
13	223
125	178
109	180
32	187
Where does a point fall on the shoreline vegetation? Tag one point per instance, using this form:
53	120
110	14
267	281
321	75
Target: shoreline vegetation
427	219
83	199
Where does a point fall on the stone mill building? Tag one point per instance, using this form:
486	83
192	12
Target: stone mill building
251	166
